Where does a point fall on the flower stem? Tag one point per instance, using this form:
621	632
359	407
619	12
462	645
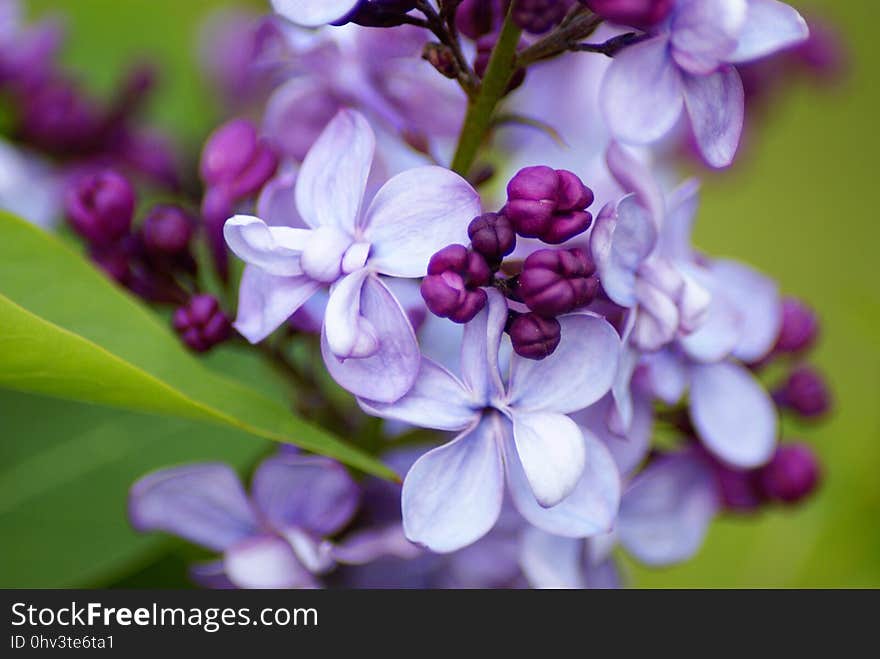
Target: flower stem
479	115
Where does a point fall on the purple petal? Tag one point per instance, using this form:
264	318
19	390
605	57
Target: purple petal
756	299
716	106
437	400
334	174
277	250
603	575
666	511
657	317
770	26
629	448
452	495
551	561
297	112
720	329
349	334
210	575
733	414
551	451
620	242
266	301
312	13
389	373
641	94
664	375
576	375
635	177
266	562
204	504
276	204
415	215
589	510
675	233
368	545
479	348
705	32
305	492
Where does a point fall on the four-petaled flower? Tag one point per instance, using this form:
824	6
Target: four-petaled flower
561	478
689	64
367	341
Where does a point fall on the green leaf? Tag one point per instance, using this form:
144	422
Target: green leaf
68	332
65	471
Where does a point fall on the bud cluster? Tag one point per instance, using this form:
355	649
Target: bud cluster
542	203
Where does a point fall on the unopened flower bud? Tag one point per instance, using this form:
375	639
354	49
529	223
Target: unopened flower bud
452	287
493	236
167	230
379	13
554	282
800	327
548	204
638	13
805	393
792	474
236	158
538	16
201	323
100	207
534	337
740	488
476	18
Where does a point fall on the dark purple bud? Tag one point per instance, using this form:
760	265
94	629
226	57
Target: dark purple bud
638	13
477	18
534	337
218	205
57	118
800	327
740	488
167	230
493	236
100	207
554	282
379	13
805	393
201	323
548	204
452	287
485	46
115	261
538	16
228	152
792	474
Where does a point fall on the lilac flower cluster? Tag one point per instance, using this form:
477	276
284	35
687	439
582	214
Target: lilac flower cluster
552	336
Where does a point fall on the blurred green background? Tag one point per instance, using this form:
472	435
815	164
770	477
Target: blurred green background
800	207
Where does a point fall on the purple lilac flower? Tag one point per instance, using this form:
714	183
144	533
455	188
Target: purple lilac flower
314	13
378	72
688	64
453	494
274	538
367	341
635	267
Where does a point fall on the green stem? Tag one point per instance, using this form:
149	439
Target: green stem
479	115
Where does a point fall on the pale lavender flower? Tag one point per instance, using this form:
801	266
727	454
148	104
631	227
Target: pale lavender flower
314	13
453	494
664	515
367	341
274	538
637	270
688	64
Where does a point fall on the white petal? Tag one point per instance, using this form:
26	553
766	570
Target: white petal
348	333
452	495
733	414
266	301
265	562
551	451
576	375
416	214
479	348
334	174
277	250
